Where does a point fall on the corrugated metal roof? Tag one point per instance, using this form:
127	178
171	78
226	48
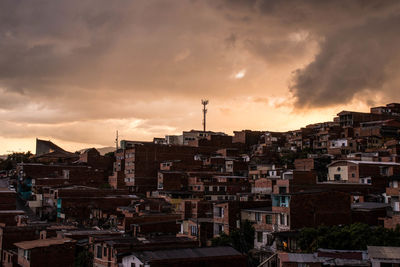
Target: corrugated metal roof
369	205
392	253
187	253
302	257
42	243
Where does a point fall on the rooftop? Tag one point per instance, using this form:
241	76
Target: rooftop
187	253
369	205
12	211
392	253
261	209
366	162
43	243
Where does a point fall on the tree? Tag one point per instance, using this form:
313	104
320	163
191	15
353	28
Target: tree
347	237
241	239
105	186
14	158
84	258
110	154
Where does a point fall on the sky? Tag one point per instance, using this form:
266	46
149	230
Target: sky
75	71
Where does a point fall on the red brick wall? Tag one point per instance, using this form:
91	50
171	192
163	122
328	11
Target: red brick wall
13	234
56	255
392	222
8	200
304	164
314	209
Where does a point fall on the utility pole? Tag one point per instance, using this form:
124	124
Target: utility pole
204	102
116	141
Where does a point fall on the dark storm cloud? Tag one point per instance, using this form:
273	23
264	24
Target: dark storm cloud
357	40
351	61
65	65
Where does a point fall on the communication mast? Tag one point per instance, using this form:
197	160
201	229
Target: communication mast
116	141
204	102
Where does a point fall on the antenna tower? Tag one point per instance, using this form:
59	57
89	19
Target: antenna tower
116	141
204	102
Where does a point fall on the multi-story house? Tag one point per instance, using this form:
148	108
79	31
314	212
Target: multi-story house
142	162
117	179
46	252
227	215
365	172
393	198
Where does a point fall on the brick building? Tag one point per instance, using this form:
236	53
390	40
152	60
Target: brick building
196	257
142	163
109	251
8	199
364	172
117	179
46	252
226	215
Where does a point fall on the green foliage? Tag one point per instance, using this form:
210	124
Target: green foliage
241	239
105	186
321	168
84	259
222	240
348	237
110	154
14	158
287	158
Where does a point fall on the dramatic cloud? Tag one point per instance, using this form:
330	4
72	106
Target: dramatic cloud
78	70
356	46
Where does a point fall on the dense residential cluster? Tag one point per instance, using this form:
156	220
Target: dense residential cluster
207	198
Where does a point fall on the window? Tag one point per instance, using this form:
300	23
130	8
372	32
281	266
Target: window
283	202
194	230
98	254
220	212
259	237
220	228
258	217
105	252
27	254
385	171
268	219
353	175
283	219
396	206
282	190
337	177
66	174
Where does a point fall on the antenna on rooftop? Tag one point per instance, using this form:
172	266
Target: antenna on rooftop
116	141
204	102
